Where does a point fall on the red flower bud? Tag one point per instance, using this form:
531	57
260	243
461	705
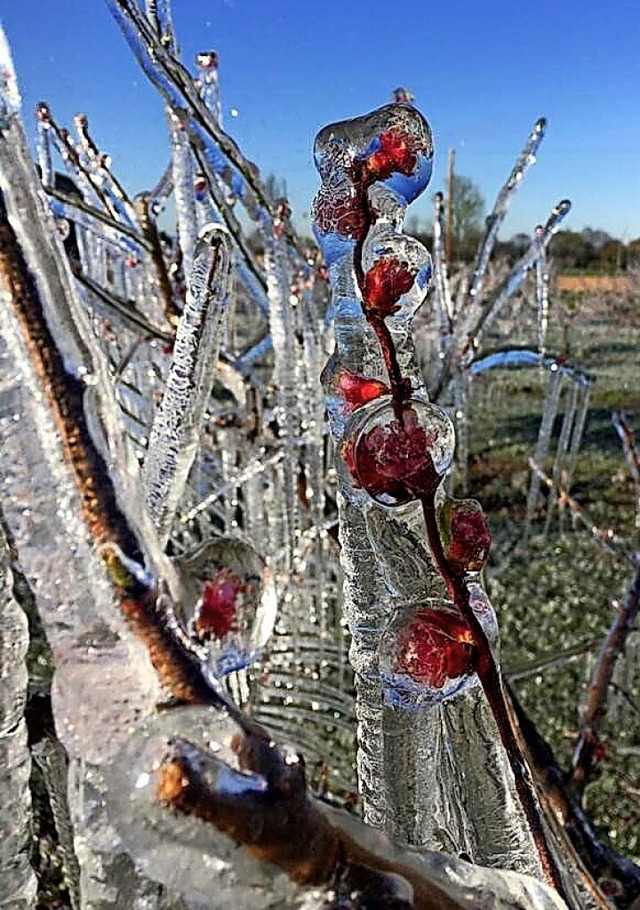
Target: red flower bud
465	534
221	597
385	283
357	390
434	647
398	460
395	154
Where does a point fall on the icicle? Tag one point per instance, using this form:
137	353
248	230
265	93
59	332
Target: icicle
544	440
631	454
286	379
578	430
525	160
542	291
559	466
443	300
207	64
182	178
159	195
44	145
175	433
461	414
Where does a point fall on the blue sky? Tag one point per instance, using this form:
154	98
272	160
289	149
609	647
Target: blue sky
481	72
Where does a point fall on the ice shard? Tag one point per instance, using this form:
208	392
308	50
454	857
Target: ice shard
178	424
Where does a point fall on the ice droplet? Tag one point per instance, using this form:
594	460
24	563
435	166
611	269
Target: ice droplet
395	459
234	602
426	656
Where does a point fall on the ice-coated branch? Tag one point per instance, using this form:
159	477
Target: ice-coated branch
18	879
126	311
178	89
77	205
593	860
246	804
475	319
525	160
176	430
438	627
605	537
444	302
631	454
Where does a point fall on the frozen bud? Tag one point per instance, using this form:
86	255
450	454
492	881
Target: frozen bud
230	600
397	268
395	152
207	60
357	390
465	534
397	459
200	186
63	228
426	655
43	114
403	96
126	574
222	598
282	216
392	144
384	284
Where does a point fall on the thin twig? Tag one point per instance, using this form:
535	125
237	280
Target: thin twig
605	537
585	758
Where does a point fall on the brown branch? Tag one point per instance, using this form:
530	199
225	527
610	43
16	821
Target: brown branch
150	232
595	861
606	537
629	445
586	758
268	809
177	662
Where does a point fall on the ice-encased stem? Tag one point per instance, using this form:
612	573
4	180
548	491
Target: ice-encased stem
286	377
525	160
16	874
562	447
443	299
421	793
174	437
482	313
544	441
542	298
182	179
